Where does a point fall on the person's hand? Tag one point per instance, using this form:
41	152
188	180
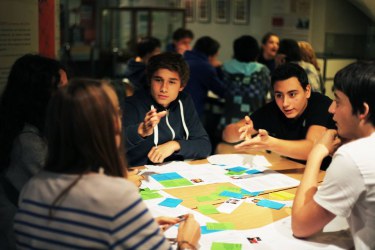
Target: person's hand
328	143
152	118
259	142
166	222
159	153
247	130
136	179
189	233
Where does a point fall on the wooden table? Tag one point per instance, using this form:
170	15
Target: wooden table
247	216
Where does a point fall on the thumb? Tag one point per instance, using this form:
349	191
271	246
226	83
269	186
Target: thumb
263	132
162	114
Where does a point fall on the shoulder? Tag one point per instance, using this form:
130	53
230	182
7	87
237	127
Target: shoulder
318	99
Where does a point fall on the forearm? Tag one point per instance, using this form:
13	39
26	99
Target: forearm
309	182
296	149
308	217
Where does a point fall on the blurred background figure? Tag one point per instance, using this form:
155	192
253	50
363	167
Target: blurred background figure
308	55
182	39
135	70
32	80
289	51
247	81
270	46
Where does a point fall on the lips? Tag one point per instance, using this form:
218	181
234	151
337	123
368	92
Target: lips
162	97
288	112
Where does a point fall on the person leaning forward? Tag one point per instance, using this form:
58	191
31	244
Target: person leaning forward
291	123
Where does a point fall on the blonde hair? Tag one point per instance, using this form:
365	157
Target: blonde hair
308	54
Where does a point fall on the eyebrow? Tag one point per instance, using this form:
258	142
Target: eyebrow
173	79
290	91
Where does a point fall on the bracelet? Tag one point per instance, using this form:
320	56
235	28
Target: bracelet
191	246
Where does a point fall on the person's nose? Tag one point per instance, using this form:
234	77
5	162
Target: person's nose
285	101
164	87
332	107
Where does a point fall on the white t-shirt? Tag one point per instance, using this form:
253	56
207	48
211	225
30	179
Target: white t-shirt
99	212
348	189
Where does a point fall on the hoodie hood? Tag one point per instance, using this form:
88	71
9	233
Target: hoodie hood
236	67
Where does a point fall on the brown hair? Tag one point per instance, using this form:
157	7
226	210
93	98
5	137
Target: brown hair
81	130
308	54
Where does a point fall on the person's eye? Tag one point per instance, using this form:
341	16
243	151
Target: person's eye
278	96
157	79
293	94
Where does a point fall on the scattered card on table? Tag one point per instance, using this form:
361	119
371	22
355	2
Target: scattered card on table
225	246
170	202
229	205
270	204
208	209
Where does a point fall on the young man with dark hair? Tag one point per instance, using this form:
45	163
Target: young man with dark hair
348	189
181	41
162	124
291	123
136	67
202	61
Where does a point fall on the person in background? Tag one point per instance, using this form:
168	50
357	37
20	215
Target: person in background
135	69
248	81
289	52
348	189
182	39
162	124
308	55
67	204
202	61
270	46
291	123
32	81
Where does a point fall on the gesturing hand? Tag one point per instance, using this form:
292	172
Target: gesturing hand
247	130
152	118
261	141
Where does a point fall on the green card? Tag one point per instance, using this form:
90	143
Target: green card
236	173
225	246
150	195
231	189
176	183
219	226
212	197
208	209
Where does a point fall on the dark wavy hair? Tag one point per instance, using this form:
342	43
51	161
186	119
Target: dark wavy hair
290	49
207	46
171	61
357	82
289	70
182	33
246	49
147	45
31	82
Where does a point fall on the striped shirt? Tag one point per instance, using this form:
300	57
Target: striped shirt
99	212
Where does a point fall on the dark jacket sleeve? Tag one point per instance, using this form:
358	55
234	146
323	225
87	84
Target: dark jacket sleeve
198	145
215	84
137	147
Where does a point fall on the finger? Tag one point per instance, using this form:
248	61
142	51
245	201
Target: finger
161	114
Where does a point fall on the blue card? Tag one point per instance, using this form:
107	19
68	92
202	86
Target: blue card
166	176
204	230
170	202
231	194
237	169
253	171
245	192
270	204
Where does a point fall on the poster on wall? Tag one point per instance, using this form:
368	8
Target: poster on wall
18	33
26	27
291	18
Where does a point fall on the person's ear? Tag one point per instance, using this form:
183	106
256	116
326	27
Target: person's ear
182	87
363	115
308	90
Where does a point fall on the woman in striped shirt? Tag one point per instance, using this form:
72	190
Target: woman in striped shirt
81	199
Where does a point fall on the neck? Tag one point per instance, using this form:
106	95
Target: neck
268	56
